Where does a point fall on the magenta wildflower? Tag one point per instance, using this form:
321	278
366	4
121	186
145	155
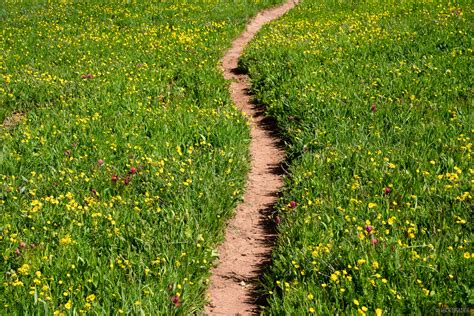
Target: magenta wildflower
175	300
277	220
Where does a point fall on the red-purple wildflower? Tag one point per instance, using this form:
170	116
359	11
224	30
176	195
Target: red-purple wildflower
277	220
175	300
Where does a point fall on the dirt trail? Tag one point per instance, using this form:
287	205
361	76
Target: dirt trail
248	240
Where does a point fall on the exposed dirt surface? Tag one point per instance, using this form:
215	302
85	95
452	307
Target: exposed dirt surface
12	120
249	235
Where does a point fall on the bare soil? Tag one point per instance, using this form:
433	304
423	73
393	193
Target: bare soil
249	236
12	120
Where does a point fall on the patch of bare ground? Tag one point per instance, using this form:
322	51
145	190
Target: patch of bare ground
12	120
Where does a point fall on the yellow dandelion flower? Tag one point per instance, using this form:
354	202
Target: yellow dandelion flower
24	269
66	240
90	298
17	283
391	220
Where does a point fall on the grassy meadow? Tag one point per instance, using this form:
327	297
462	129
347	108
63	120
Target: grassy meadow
121	153
375	102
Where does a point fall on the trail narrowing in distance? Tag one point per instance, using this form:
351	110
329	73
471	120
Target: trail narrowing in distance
248	242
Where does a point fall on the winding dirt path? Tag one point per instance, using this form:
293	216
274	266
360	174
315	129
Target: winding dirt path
248	239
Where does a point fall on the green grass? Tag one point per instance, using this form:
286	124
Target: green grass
129	157
375	101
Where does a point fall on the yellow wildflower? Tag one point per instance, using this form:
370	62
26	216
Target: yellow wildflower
17	283
391	220
66	240
24	269
90	298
